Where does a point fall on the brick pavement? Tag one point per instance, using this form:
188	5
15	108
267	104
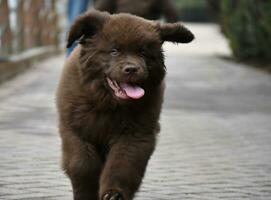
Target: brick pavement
215	141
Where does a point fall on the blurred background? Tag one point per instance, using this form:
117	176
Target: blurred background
25	24
215	141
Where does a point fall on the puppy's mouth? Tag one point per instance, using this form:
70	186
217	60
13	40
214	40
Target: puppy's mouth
125	90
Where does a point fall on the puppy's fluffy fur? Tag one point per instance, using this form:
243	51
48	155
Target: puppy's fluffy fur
108	131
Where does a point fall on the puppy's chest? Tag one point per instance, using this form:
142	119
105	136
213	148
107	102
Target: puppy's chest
104	125
105	122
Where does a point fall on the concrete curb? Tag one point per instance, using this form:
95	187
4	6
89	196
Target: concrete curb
18	63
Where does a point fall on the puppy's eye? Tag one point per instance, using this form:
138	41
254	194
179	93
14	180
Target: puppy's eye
114	52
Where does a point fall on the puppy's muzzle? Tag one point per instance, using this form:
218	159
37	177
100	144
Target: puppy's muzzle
130	69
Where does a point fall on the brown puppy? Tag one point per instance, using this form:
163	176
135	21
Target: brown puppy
109	100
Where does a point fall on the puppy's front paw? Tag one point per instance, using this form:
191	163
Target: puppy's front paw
112	195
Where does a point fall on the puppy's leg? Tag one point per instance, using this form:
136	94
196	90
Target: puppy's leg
83	166
125	167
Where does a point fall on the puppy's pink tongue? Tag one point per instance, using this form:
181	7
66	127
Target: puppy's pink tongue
133	91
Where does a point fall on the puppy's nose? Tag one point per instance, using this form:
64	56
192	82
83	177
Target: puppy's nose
130	69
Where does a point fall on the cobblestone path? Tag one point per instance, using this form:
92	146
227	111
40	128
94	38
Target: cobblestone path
215	141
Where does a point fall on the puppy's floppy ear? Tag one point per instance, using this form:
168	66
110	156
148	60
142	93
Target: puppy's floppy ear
86	25
175	32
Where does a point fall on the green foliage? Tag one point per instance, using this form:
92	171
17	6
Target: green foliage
190	3
247	25
192	10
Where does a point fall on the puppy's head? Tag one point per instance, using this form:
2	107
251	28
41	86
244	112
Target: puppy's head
122	54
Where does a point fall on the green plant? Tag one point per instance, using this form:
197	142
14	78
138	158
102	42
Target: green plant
247	25
190	3
192	10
